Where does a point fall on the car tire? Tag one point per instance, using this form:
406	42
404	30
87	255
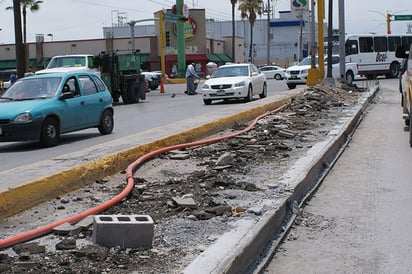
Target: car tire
106	122
393	70
264	91
249	96
50	132
349	77
278	77
291	86
207	101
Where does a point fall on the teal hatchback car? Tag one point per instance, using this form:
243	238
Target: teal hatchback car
41	107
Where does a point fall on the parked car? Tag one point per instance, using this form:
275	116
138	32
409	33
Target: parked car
234	81
5	78
273	72
153	78
298	74
41	107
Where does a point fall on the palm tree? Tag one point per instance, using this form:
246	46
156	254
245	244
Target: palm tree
250	9
233	2
32	5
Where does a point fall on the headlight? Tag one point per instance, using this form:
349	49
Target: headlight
240	84
23	118
305	71
205	86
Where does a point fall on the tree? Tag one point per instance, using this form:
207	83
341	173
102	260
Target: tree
250	9
32	5
233	2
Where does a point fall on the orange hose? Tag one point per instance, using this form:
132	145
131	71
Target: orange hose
40	231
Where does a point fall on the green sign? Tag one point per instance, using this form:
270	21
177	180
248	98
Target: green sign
172	17
403	17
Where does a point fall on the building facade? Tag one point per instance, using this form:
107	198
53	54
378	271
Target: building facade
205	41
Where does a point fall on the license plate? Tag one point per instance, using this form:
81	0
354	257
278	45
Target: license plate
293	77
220	92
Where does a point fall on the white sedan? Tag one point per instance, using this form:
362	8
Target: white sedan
234	81
273	72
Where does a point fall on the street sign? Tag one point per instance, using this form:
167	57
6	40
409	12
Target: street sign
405	17
172	17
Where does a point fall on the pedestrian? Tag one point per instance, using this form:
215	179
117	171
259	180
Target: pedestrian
13	78
190	78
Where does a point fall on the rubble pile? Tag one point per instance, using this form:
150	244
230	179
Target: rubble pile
193	195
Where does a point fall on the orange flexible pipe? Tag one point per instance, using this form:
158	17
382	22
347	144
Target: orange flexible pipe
43	230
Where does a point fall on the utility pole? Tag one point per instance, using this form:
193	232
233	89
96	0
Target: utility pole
18	39
342	57
267	10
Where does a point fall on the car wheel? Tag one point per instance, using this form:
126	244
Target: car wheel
106	123
264	91
50	132
349	77
249	96
207	101
393	70
278	77
291	86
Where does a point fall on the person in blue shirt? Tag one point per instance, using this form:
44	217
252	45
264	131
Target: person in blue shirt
190	78
13	78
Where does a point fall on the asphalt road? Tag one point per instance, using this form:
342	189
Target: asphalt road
157	110
359	220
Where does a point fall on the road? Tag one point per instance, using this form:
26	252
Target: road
360	218
157	110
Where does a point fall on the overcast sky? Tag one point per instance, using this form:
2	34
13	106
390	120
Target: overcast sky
84	19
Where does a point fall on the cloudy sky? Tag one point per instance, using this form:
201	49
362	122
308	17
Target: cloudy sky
84	19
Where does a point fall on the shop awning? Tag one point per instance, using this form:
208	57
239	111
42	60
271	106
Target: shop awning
223	57
213	58
11	64
7	64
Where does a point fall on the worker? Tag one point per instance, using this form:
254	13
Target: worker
190	78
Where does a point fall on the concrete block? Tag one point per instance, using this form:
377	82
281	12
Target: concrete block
126	231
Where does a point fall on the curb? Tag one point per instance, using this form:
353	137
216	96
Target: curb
237	250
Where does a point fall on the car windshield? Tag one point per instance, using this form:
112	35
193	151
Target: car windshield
32	88
232	71
307	61
67	61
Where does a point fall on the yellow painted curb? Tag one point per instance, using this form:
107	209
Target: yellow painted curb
175	80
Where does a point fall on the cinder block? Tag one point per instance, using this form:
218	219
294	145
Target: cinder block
126	231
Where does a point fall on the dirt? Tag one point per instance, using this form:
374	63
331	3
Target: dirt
223	183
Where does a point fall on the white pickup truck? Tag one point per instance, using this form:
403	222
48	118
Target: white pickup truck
78	62
297	74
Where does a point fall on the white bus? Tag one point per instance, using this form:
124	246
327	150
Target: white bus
375	53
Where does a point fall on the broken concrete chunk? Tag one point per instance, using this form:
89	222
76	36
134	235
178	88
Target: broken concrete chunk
184	202
225	159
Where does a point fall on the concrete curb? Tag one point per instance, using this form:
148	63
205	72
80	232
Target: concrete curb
236	250
22	195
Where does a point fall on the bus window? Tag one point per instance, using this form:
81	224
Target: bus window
407	41
351	47
365	44
393	42
380	44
